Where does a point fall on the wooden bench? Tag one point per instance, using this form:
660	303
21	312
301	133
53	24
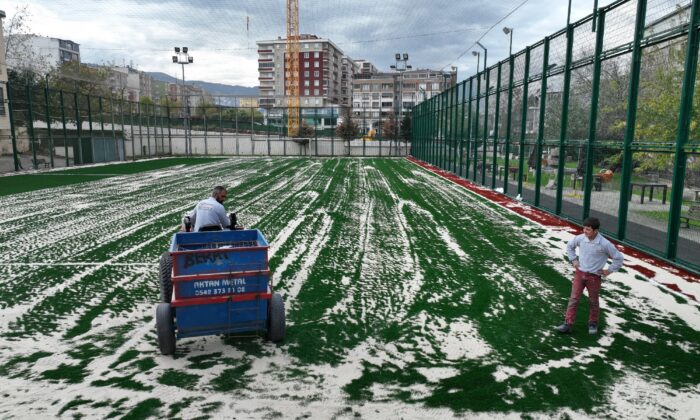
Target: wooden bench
693	214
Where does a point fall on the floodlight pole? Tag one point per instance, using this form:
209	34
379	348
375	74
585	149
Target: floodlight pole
400	67
183	58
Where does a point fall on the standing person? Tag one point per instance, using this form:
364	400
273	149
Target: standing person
209	214
593	253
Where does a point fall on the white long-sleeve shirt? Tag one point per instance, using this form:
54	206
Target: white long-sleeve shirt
593	254
209	212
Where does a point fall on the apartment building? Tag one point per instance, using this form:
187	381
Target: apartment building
377	95
125	82
41	53
323	67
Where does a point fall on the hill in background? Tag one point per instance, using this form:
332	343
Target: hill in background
215	89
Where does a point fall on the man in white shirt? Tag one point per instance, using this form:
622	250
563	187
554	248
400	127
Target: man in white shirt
593	253
209	214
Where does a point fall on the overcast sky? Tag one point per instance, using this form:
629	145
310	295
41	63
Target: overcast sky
435	33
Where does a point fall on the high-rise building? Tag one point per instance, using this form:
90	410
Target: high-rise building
323	68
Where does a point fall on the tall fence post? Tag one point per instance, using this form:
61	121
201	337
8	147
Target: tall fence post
540	129
30	125
79	124
48	123
476	127
496	117
691	65
564	118
461	129
593	120
89	110
65	130
486	125
523	122
455	122
509	130
631	119
13	134
469	126
221	133
131	125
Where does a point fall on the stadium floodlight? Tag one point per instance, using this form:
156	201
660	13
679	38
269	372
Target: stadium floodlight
177	49
184	50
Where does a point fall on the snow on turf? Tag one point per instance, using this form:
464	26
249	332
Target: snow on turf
407	296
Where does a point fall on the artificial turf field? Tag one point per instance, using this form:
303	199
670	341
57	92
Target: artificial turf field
406	297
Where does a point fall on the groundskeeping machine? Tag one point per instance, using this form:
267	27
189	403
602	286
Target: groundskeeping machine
217	283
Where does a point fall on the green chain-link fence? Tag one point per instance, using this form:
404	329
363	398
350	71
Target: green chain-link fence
601	118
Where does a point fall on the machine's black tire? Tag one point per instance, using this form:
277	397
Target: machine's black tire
166	282
165	327
276	324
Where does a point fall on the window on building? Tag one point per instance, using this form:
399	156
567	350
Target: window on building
306	101
422	86
306	64
306	55
318	101
316	93
436	86
306	92
306	73
316	54
316	83
306	83
317	73
375	96
365	87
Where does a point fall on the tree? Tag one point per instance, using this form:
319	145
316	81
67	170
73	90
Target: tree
347	129
72	76
406	129
306	131
389	128
26	64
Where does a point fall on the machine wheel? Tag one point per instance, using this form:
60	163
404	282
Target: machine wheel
276	324
166	282
165	328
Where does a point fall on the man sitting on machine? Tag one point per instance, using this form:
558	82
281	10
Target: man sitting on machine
210	215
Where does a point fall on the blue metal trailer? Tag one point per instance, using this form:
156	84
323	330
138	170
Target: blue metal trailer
217	283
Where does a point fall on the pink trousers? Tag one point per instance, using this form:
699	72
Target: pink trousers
592	283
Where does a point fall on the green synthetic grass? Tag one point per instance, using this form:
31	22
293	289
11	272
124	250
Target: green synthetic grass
373	292
15	184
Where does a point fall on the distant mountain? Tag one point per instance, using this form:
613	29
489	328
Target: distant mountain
213	88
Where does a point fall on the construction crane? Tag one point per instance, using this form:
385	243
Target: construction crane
291	64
